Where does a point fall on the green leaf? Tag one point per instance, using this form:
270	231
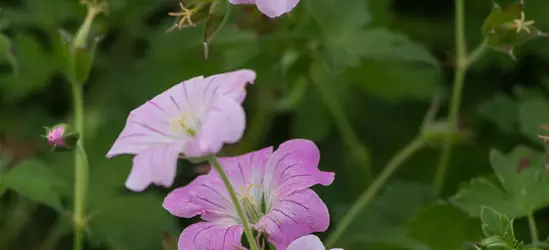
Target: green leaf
502	111
140	221
44	15
533	113
396	82
378	44
495	224
311	120
458	227
35	181
385	45
329	14
35	67
385	219
524	185
294	96
6	52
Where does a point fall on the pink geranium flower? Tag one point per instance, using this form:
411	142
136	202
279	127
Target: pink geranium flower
274	190
271	8
194	118
309	242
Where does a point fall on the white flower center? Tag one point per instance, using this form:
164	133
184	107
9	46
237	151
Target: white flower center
185	124
253	202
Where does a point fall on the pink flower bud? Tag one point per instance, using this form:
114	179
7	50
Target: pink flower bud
61	137
55	136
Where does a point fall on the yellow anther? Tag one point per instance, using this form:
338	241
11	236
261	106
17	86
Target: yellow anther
184	16
521	24
181	122
247	193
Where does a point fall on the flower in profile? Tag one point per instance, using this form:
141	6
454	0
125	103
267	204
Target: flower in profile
274	190
61	137
309	242
194	118
269	7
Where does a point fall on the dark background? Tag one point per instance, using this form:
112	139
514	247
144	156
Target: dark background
385	61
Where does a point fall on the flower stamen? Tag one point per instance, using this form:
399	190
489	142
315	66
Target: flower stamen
181	124
521	24
250	208
184	16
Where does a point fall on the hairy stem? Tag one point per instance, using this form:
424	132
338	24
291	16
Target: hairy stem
81	171
232	193
402	156
462	63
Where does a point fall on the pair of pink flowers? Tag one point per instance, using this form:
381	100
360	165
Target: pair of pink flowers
196	118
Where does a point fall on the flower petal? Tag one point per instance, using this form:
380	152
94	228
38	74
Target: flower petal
206	196
294	216
224	123
275	8
245	172
150	123
219	235
309	242
157	164
233	84
293	167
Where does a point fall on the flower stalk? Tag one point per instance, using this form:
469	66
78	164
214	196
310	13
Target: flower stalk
81	172
81	169
463	61
232	193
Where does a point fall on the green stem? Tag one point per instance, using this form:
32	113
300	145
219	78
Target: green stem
401	157
533	229
81	168
462	63
82	34
232	193
207	39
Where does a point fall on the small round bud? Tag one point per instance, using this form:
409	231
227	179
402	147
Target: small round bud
61	137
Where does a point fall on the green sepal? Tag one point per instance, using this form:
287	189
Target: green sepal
501	33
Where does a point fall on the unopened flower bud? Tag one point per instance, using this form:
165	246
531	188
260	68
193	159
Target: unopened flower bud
61	137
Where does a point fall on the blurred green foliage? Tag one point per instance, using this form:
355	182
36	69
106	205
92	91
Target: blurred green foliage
355	76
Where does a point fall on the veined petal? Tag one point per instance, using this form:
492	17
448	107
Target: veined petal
293	167
296	215
224	123
138	135
206	196
275	8
157	164
150	123
309	242
245	172
219	235
230	85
